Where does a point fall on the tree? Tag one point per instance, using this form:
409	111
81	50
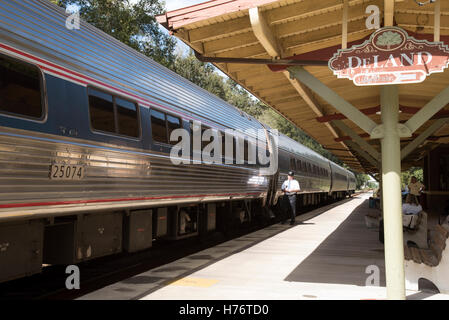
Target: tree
200	73
388	39
361	180
132	24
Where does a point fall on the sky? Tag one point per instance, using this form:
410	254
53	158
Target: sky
173	5
176	4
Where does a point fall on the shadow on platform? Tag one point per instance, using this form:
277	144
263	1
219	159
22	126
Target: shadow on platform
343	257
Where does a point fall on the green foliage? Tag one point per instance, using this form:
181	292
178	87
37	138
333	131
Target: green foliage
372	184
200	73
132	24
204	75
414	171
361	180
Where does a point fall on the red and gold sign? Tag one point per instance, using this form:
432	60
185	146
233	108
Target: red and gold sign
390	56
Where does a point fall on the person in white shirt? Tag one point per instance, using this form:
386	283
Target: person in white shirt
290	187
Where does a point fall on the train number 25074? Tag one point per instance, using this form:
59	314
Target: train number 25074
66	172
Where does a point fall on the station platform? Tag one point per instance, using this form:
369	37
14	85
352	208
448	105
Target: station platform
324	256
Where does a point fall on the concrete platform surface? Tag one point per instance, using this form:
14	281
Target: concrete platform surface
329	254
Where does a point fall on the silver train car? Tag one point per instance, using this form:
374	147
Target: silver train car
85	126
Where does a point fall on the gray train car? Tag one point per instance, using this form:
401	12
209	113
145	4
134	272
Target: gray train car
87	169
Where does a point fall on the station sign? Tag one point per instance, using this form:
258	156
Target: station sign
390	56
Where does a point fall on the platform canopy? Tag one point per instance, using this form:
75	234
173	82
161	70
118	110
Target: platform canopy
227	32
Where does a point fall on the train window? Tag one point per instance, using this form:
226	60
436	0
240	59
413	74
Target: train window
112	114
128	123
173	124
158	126
298	165
246	150
101	108
292	164
238	146
20	88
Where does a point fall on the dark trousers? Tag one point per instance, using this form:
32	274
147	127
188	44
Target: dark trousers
290	207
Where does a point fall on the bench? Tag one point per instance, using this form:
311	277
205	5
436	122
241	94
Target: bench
418	235
430	263
372	219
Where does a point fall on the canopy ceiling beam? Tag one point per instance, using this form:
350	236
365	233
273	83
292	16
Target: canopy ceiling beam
363	154
330	96
263	33
423	136
267	39
373	110
428	111
357	139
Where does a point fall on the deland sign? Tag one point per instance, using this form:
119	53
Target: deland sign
390	56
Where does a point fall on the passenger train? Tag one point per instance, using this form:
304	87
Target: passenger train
85	160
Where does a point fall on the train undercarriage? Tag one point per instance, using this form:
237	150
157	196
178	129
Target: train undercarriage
28	245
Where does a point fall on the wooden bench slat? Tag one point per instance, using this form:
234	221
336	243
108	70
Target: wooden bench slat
407	253
415	255
441	231
445	226
437	244
428	257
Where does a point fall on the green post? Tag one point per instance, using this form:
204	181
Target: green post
391	194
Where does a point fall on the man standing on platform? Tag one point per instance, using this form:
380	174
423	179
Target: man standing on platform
290	187
415	187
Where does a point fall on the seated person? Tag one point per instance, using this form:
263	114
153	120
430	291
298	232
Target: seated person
411	205
410	210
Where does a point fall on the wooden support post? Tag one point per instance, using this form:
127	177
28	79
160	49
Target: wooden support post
437	21
344	32
389	13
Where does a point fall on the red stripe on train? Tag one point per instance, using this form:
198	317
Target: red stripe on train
29	56
54	203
